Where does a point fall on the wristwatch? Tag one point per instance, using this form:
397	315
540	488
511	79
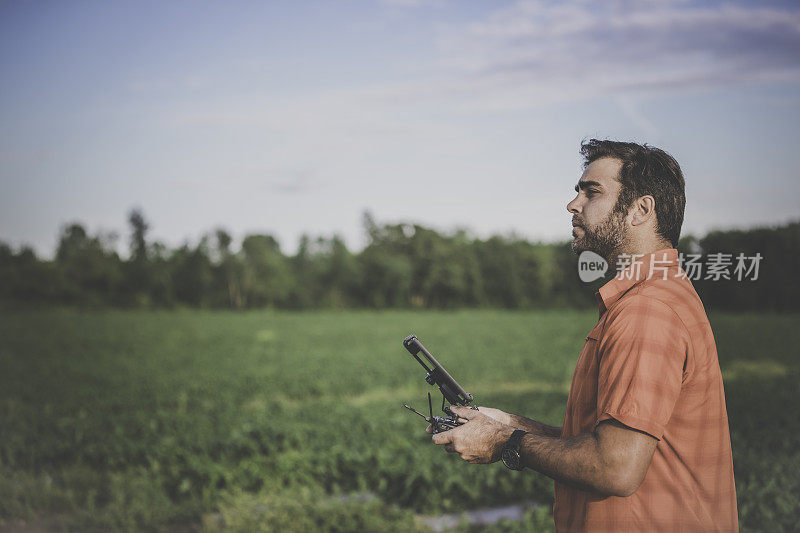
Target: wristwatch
510	455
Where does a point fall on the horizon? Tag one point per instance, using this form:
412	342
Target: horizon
116	240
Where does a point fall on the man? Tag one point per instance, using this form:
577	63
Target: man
645	443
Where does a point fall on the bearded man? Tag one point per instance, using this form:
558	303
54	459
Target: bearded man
645	444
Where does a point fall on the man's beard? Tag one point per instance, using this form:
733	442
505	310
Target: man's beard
604	239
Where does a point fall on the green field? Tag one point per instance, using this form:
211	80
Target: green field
293	421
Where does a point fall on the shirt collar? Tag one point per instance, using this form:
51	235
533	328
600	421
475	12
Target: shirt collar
660	263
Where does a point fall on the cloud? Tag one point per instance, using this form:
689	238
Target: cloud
575	50
294	182
535	53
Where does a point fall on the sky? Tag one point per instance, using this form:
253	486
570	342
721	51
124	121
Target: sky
296	117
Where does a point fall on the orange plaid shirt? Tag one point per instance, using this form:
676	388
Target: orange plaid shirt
651	364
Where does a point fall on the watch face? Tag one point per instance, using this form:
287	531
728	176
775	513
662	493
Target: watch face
511	458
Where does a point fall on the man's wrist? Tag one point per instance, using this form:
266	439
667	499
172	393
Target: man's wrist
502	437
532	426
511	454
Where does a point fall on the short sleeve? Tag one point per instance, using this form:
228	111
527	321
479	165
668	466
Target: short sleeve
641	354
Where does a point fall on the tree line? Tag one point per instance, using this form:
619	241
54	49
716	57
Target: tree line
402	266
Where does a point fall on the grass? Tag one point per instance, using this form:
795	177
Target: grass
287	421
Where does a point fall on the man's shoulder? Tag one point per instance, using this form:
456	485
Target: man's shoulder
669	300
678	294
643	304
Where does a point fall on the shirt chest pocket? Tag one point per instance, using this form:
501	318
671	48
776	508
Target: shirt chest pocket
595	333
584	383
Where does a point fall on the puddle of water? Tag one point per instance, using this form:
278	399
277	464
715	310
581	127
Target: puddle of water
479	517
440	523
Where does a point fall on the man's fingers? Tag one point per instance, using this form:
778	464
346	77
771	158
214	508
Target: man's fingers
450	448
441	438
464	412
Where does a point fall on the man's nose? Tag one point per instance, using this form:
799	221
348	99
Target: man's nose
574	206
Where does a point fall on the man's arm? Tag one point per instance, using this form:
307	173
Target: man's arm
612	460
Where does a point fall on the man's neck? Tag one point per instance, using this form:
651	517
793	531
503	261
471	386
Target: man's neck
633	251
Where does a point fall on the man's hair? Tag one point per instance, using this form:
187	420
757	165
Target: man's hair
646	170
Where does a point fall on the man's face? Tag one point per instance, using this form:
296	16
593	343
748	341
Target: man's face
597	225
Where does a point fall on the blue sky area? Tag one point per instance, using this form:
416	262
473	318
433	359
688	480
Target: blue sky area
296	117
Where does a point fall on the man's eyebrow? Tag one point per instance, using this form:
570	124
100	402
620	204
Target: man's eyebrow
583	184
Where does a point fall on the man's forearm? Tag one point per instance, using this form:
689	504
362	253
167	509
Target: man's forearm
575	461
532	426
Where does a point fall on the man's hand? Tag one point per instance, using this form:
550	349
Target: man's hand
479	440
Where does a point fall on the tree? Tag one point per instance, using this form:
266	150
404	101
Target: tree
228	273
337	274
267	279
138	241
138	272
192	275
89	271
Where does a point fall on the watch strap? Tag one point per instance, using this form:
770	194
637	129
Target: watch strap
515	440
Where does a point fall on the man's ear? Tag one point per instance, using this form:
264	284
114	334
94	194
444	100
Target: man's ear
643	210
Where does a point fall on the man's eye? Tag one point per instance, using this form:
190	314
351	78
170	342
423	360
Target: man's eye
591	192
